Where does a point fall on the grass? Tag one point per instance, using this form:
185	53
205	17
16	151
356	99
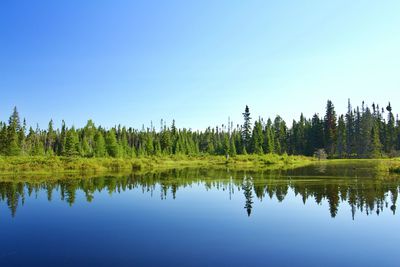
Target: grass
41	165
392	165
384	165
49	165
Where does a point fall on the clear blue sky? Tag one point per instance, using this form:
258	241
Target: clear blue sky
199	62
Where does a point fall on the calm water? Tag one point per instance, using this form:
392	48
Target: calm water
314	216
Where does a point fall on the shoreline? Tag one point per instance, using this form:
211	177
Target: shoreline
77	165
55	164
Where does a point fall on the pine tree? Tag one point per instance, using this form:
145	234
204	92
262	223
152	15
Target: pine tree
349	130
3	139
357	132
166	141
366	126
226	145
341	138
376	146
257	138
390	130
317	133
330	128
14	119
71	143
269	138
280	132
246	128
157	147
12	142
112	144
149	145
62	139
50	139
99	145
232	146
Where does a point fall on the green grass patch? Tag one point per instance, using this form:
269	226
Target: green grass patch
9	165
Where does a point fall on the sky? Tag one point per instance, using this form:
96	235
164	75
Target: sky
198	62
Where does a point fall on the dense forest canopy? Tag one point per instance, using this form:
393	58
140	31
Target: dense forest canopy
363	132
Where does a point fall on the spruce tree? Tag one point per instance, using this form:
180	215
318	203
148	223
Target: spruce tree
376	146
366	125
246	129
280	132
390	130
166	141
269	138
50	139
112	144
232	146
226	147
12	144
349	130
257	138
330	128
62	139
3	139
99	145
341	138
71	143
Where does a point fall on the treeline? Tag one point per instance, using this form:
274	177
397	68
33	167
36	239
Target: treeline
366	132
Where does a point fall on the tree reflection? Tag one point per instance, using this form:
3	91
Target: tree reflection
369	195
248	194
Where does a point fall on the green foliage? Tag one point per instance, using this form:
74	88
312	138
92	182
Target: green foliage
71	143
246	128
257	138
99	145
112	144
330	128
360	133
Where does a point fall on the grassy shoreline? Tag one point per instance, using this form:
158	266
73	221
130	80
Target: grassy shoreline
74	165
42	165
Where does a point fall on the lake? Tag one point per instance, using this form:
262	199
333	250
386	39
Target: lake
319	215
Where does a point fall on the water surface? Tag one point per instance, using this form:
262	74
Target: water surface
323	215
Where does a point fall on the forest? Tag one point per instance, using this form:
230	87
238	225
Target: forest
363	132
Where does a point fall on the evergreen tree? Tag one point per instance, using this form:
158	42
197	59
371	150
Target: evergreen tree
226	147
390	131
112	144
376	146
166	141
12	142
349	130
357	132
269	138
257	138
232	146
280	133
341	138
330	128
71	143
62	139
246	128
99	145
366	126
317	133
50	139
3	139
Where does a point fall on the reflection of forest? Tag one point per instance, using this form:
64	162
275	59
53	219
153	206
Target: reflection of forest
369	195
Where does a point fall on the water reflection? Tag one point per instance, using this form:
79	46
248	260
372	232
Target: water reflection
370	195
